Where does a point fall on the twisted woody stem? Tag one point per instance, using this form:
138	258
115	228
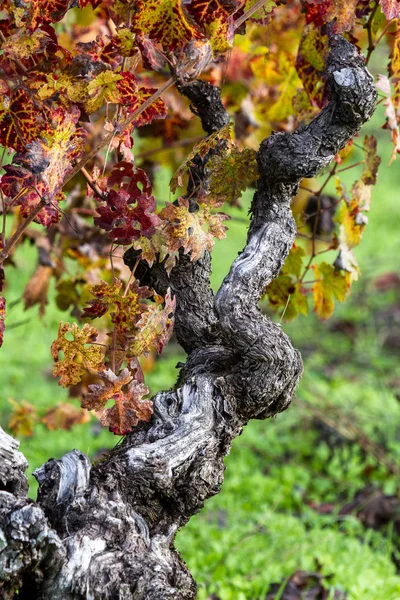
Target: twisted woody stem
107	531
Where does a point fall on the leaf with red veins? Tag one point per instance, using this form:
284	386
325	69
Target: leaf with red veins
26	191
126	308
165	21
157	110
50	157
100	394
39	172
152	58
101	50
19	120
37	12
127	87
390	8
2	318
193	232
321	12
214	17
127	391
80	354
155	327
21	46
94	3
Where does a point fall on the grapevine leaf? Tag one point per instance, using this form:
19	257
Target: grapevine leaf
157	109
372	161
127	308
330	284
126	222
36	289
391	9
127	393
165	21
284	294
37	12
100	394
50	157
343	12
282	108
155	327
152	58
103	89
201	149
263	15
294	262
310	63
22	46
214	17
22	418
231	173
18	120
64	416
79	353
188	230
383	84
2	318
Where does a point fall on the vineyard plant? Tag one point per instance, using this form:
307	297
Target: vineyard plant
99	99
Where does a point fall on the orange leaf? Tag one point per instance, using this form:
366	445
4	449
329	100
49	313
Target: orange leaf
127	393
22	419
79	353
65	416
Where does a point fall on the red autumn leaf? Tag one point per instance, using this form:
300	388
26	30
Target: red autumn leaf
127	87
101	50
157	109
38	173
342	12
129	211
152	58
2	318
37	12
214	17
127	391
19	123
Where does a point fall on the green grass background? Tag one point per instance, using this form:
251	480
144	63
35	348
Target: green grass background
261	527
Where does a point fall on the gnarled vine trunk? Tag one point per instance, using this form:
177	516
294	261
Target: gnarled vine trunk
107	531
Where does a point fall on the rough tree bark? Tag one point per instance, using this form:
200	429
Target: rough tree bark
107	531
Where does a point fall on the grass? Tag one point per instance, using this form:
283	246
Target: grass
266	523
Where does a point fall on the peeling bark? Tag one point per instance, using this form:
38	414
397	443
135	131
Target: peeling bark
106	531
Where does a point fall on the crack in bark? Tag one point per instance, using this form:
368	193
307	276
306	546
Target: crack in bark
114	524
